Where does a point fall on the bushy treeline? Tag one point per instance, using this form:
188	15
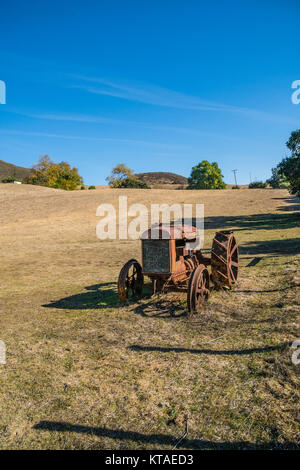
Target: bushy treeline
205	175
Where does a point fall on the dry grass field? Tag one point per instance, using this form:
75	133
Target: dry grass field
84	372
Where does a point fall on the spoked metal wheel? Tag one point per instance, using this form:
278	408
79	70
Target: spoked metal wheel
224	259
198	289
131	280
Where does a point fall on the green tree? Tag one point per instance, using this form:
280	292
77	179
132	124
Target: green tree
294	142
289	167
55	175
206	175
277	181
123	177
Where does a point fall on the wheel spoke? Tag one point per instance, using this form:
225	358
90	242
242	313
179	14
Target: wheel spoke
231	273
233	250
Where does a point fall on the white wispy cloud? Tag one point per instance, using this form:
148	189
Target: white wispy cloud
133	91
73	117
159	96
87	118
92	139
68	117
149	94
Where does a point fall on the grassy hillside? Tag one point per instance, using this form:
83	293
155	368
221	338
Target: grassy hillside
8	169
84	372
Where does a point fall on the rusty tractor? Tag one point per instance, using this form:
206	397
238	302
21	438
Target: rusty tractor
170	265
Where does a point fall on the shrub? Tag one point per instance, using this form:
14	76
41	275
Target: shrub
9	179
82	188
235	186
92	187
133	183
258	185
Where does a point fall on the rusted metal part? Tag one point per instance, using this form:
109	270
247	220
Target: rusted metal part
169	264
189	266
131	280
224	259
171	231
198	289
159	283
202	259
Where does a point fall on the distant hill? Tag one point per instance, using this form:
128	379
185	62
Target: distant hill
8	169
155	178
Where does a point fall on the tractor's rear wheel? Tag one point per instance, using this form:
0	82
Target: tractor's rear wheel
198	289
224	259
131	281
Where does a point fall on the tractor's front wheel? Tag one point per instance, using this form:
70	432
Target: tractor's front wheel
131	281
198	289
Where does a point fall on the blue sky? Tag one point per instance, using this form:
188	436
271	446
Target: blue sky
157	84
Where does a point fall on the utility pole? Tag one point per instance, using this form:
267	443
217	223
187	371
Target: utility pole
234	171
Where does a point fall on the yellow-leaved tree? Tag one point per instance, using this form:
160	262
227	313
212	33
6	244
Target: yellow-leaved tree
55	175
123	177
